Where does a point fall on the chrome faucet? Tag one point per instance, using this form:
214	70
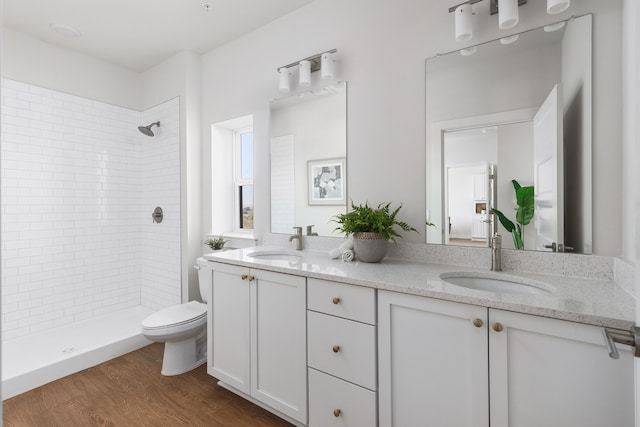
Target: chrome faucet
310	231
298	236
496	256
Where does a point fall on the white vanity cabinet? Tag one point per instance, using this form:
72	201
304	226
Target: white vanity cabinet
547	372
445	363
341	354
480	185
433	362
257	336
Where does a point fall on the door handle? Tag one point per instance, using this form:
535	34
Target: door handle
559	247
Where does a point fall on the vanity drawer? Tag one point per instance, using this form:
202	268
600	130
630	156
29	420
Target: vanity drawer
338	299
336	402
342	348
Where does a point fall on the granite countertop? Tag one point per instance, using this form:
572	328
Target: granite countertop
592	301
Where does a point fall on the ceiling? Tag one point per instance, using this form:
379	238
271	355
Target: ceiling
138	34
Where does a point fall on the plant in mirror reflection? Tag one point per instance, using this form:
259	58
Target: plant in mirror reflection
524	215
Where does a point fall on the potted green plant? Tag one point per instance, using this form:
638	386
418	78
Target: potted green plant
372	228
216	244
524	214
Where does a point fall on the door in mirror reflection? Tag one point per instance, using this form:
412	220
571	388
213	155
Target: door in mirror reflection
548	172
468	197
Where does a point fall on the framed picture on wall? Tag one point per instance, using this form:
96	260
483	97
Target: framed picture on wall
327	181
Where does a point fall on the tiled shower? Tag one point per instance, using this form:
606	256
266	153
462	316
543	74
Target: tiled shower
79	183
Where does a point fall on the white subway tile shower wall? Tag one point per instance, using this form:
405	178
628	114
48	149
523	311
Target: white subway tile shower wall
160	186
71	202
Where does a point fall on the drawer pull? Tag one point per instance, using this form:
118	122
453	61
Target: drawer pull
336	348
497	327
478	323
336	300
337	412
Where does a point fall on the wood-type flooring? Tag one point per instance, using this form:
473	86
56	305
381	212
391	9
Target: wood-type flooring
130	391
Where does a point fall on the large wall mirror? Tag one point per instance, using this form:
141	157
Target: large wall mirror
309	160
518	108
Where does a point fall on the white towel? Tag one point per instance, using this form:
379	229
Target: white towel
348	255
345	246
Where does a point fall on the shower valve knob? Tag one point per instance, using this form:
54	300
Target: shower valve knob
157	215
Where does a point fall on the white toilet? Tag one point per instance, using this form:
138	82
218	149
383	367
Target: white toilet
183	328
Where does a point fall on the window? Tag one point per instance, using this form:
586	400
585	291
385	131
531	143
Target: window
243	179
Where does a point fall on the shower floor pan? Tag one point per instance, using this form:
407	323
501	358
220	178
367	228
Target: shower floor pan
32	361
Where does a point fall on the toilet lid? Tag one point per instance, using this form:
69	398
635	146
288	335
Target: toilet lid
176	315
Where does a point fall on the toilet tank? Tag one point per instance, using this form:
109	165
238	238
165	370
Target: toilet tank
205	278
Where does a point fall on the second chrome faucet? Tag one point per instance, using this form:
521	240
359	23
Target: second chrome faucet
298	237
496	256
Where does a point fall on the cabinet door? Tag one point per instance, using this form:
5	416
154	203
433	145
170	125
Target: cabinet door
546	372
432	362
480	187
278	342
228	358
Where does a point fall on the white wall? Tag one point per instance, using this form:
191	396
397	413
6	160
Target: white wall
70	198
498	78
179	76
515	151
631	149
28	60
159	186
577	99
78	180
381	52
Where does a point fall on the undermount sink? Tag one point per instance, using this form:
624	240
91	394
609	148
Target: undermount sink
496	282
276	255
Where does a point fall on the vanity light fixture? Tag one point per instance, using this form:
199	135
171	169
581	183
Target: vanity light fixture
557	6
464	24
507	11
305	73
509	39
326	66
65	30
553	27
285	83
468	51
508	14
324	61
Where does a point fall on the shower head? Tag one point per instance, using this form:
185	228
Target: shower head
147	129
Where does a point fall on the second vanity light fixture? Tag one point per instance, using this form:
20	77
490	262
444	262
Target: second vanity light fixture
507	11
323	62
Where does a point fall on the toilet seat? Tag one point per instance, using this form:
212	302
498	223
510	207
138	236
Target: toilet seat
191	313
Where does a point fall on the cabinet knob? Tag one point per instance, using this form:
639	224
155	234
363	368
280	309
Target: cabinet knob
497	327
337	412
336	348
336	300
251	278
478	323
244	277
